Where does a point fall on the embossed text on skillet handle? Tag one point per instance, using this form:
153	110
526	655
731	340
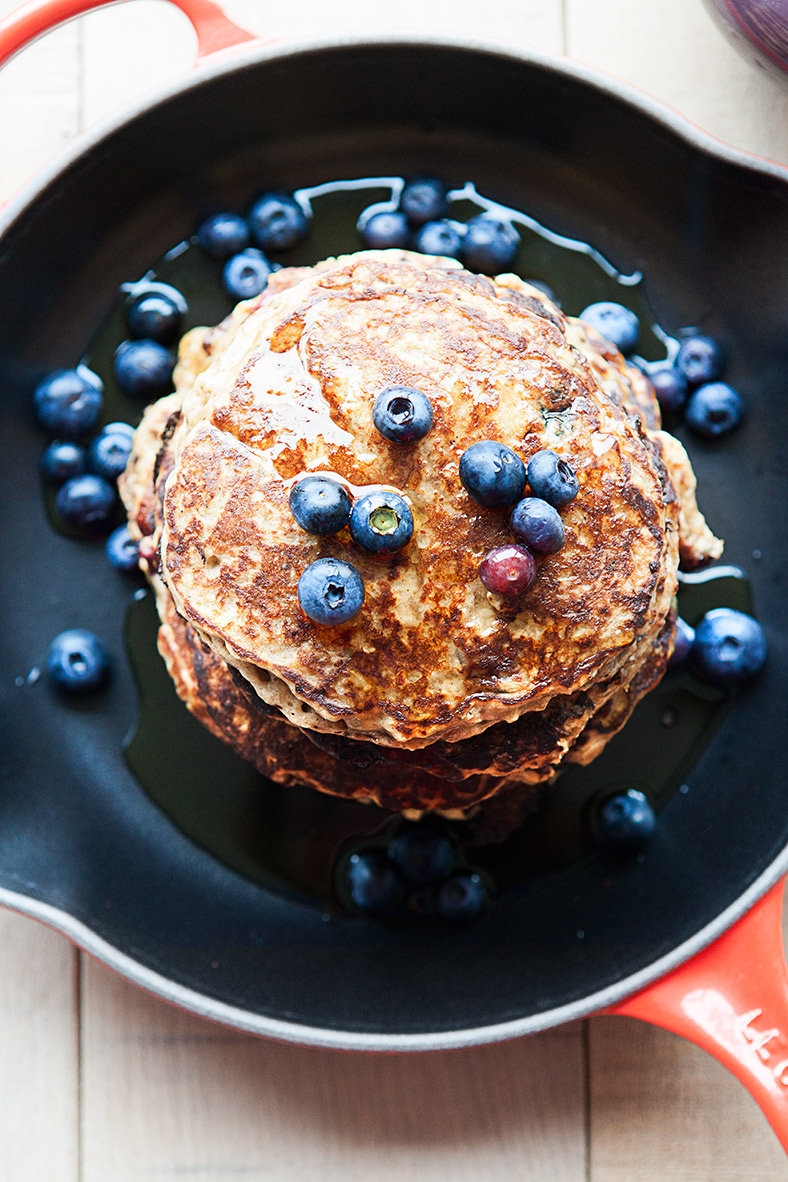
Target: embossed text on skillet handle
732	1000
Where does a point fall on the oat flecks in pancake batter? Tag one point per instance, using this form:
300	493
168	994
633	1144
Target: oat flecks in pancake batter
431	669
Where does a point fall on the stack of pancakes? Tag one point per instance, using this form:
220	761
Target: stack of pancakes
437	694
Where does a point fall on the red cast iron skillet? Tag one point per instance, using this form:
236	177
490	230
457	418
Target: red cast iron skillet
688	936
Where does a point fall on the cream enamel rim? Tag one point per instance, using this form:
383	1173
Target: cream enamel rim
301	1034
226	62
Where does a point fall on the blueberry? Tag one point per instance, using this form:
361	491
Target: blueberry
490	244
68	402
422	853
682	643
626	821
154	316
439	238
320	505
461	897
714	410
109	452
545	288
551	478
245	275
119	428
223	235
508	570
402	414
381	522
700	359
123	550
614	322
62	460
330	591
278	222
423	200
492	474
670	387
729	646
538	525
384	230
78	661
373	883
143	369
86	504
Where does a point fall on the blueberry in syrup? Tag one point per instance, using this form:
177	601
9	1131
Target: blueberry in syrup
77	662
700	359
625	821
222	235
490	244
61	460
729	646
143	369
670	387
86	504
381	522
372	882
402	414
461	897
492	474
682	643
551	478
423	199
155	316
123	550
508	570
386	229
68	402
320	505
245	275
109	451
714	409
278	222
330	591
441	238
422	853
614	322
537	525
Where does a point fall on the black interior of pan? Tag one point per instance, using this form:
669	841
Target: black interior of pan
79	832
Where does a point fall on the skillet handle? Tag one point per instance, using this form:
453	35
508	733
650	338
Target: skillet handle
214	30
732	1000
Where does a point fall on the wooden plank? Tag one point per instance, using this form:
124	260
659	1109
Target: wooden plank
39	1036
673	51
39	1057
192	1099
661	1107
168	1094
130	48
39	104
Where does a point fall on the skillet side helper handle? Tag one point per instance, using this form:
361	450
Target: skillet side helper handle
732	1000
214	30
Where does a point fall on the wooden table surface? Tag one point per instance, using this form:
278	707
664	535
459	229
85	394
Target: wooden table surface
102	1083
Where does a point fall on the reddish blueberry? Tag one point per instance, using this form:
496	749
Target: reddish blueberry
508	570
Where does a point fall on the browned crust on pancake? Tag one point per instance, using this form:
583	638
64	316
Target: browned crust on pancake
512	758
421	661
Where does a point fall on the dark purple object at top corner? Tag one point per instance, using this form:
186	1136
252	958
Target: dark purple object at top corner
757	28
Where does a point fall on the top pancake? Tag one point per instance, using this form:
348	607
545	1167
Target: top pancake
289	390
